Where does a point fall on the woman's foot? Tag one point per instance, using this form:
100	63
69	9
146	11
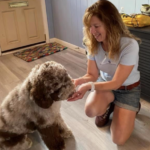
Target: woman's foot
101	121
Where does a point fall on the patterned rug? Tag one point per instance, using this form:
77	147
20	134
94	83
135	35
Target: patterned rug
40	51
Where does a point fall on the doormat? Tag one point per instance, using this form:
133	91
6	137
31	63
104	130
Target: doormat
40	51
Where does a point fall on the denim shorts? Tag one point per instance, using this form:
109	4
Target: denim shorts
127	99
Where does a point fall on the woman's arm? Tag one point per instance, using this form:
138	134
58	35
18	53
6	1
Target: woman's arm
119	78
91	75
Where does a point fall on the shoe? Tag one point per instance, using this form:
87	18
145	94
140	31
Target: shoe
101	121
139	108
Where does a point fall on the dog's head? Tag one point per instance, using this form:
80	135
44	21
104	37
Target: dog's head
50	82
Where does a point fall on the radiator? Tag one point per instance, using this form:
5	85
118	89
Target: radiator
144	60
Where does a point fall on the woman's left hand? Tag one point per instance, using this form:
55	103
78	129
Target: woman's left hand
80	92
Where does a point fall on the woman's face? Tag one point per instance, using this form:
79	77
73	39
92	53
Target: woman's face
97	29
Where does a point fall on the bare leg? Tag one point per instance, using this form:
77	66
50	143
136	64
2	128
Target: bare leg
52	138
122	125
98	102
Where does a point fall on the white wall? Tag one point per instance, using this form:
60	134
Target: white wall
130	6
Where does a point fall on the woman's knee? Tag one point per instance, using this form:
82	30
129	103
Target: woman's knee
96	104
119	137
119	140
90	112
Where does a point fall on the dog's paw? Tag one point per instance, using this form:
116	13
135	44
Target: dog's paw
27	144
67	134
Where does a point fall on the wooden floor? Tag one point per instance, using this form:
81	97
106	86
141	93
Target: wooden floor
86	135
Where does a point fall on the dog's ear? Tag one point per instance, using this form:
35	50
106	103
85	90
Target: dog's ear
40	94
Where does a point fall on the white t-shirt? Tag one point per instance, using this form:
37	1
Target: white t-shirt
129	55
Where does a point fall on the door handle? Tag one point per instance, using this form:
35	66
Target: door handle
18	4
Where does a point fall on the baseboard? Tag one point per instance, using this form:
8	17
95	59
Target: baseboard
71	46
52	40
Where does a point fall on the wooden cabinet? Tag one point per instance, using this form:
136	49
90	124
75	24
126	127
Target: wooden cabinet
144	60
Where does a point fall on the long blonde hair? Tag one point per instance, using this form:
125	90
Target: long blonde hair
115	28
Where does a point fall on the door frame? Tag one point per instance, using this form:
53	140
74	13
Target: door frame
45	23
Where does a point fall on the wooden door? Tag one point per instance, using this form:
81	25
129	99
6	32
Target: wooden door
21	23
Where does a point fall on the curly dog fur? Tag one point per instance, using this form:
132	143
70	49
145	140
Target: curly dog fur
35	105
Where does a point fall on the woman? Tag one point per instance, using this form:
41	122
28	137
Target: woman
112	55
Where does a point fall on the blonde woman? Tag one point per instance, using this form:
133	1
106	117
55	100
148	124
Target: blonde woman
112	71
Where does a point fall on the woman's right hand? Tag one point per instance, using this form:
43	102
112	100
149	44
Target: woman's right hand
80	92
78	81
